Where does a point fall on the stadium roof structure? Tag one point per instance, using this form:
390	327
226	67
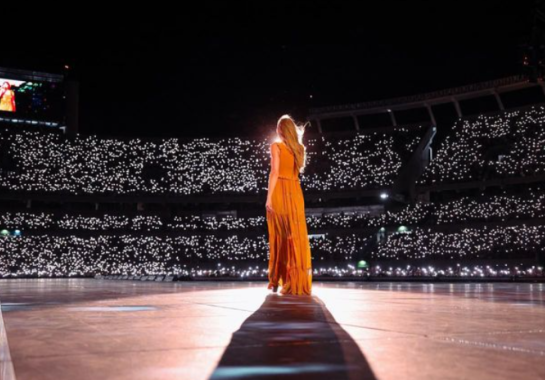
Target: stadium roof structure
426	100
30	75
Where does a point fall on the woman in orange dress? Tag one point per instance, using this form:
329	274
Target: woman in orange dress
7	98
290	262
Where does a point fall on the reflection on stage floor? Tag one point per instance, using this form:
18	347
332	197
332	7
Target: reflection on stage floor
88	329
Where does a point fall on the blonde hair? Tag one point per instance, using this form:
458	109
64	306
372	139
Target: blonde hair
292	135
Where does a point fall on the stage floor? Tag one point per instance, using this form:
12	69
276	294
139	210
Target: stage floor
98	329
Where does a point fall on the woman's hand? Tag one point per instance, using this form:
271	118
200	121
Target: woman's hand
268	205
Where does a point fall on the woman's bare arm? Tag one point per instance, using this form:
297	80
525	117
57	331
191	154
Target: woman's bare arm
275	169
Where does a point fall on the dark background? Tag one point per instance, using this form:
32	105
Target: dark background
224	68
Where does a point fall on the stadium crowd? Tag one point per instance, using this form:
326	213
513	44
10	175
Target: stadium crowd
72	255
496	208
513	242
503	145
507	144
39	162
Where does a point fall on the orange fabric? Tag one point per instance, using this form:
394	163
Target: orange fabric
290	264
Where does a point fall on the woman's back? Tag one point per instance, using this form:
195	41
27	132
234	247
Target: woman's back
287	169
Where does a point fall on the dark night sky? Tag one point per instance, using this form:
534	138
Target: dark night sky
233	67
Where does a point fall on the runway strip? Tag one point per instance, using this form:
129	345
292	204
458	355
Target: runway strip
6	365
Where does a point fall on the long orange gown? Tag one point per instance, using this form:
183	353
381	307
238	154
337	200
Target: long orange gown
290	263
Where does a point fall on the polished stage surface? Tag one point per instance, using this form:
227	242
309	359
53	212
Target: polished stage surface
97	329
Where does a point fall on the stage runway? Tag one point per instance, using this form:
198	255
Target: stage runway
85	329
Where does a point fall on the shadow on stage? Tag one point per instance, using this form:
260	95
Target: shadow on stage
292	337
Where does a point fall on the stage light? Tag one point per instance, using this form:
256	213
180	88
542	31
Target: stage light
4	232
384	196
402	229
17	233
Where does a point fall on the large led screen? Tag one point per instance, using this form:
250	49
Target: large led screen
31	99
